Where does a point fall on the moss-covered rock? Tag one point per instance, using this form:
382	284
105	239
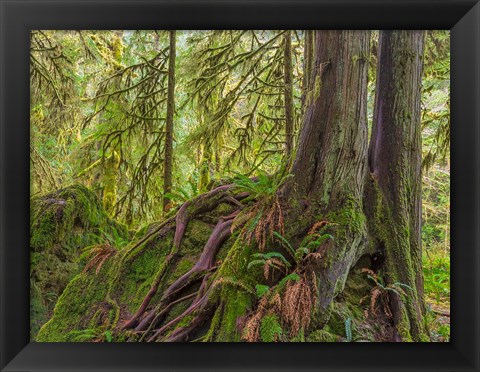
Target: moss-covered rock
122	282
62	224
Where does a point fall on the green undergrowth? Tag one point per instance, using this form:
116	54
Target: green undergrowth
436	271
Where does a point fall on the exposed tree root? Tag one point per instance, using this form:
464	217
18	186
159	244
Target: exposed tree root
189	210
198	304
199	270
294	307
163	312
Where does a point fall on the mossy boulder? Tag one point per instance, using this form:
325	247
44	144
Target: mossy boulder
120	285
62	224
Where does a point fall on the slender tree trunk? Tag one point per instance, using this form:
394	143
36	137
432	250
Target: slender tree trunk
288	93
308	61
330	164
167	180
394	188
112	163
205	168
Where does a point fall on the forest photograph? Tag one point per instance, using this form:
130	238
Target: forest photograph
239	186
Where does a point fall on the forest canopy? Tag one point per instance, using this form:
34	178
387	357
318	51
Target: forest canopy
240	185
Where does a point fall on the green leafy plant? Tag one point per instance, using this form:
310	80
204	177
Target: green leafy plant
348	330
308	245
270	260
379	293
108	336
436	270
290	277
261	290
270	328
179	194
261	186
89	334
113	239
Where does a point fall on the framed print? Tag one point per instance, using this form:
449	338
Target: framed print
239	185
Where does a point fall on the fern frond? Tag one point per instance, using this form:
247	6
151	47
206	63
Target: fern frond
270	328
285	242
278	255
261	289
255	263
292	276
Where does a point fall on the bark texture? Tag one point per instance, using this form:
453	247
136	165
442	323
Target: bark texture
394	188
308	62
330	164
167	181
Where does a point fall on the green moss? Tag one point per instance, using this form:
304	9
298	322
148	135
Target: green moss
321	335
316	87
236	304
196	236
403	326
123	283
185	321
61	225
177	310
137	270
235	292
349	215
77	301
391	228
214	325
359	58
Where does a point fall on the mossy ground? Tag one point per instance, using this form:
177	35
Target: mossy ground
124	280
62	224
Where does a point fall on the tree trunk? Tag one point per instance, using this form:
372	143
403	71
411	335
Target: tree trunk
308	60
205	166
288	94
167	179
394	188
330	165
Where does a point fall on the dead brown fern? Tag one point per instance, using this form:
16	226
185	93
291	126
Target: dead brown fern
379	295
316	226
298	302
266	306
98	255
272	263
251	332
266	216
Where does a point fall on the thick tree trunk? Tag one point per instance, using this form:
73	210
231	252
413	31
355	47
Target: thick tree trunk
330	165
167	180
288	94
394	188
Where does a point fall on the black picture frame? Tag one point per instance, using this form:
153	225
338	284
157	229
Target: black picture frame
18	17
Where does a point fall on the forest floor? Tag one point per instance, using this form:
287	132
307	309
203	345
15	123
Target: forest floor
436	268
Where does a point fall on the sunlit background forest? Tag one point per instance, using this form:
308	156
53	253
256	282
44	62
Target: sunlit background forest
103	116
